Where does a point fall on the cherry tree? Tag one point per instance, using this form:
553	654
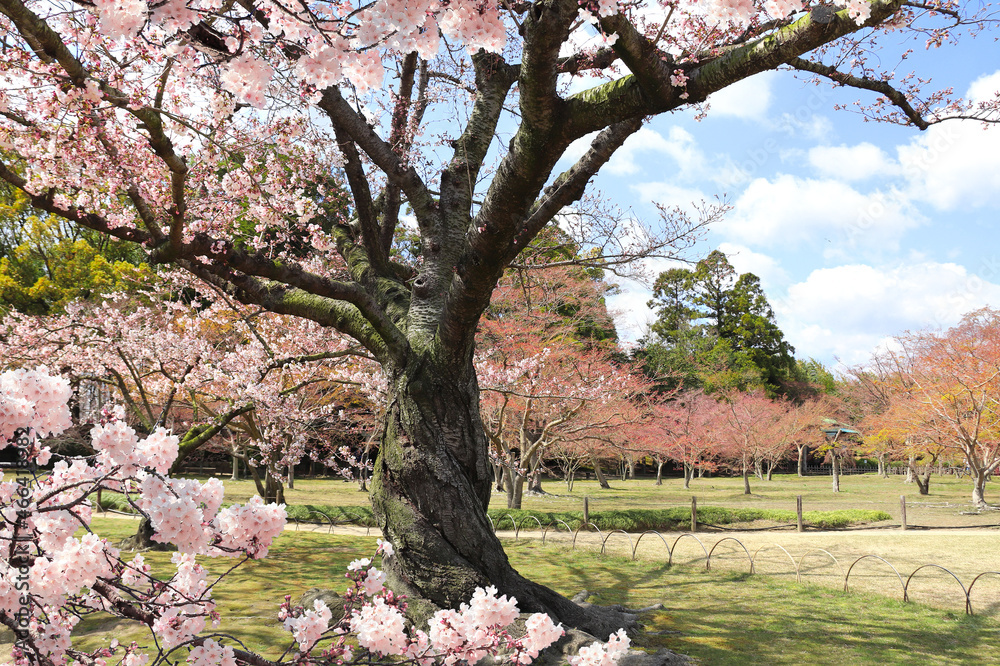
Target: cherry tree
50	580
949	384
210	134
545	366
681	429
749	425
206	368
559	395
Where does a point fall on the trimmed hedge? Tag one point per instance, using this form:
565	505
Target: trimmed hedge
324	513
677	519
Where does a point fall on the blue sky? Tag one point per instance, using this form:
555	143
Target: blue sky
858	230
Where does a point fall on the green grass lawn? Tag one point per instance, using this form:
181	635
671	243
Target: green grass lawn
947	505
718	617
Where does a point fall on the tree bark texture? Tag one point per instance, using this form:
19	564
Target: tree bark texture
430	491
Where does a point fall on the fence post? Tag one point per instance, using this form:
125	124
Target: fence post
902	511
694	513
798	510
586	510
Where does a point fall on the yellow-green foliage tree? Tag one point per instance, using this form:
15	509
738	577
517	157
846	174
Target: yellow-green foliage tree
46	263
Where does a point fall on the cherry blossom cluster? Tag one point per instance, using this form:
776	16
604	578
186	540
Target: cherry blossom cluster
742	12
209	358
49	578
375	617
33	400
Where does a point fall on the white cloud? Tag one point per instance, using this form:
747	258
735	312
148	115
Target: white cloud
628	306
790	211
954	165
859	162
745	260
668	194
849	310
985	88
678	145
807	125
749	99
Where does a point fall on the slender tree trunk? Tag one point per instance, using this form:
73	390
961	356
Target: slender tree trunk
535	482
601	479
803	454
430	492
274	491
499	476
836	472
514	485
257	481
701	472
746	480
924	481
770	470
688	475
758	469
659	472
291	477
979	477
881	466
570	478
910	476
236	469
631	467
516	495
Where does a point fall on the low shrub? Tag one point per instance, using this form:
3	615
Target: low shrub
679	518
676	519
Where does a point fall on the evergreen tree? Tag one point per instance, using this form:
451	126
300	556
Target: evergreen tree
715	330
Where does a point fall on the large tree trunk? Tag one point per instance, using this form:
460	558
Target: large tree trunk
430	492
746	480
688	475
836	472
659	472
803	454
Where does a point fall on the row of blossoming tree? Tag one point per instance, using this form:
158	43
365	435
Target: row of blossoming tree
934	396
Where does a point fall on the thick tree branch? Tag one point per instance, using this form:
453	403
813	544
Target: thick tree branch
280	298
570	185
380	152
648	91
73	214
357	180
